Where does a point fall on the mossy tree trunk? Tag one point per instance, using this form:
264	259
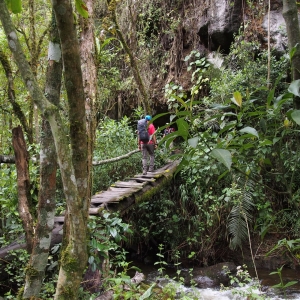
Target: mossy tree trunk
72	160
74	252
290	14
48	166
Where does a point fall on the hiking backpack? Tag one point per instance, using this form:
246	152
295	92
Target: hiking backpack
143	131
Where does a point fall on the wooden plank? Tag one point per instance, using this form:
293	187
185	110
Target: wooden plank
106	201
130	183
106	194
149	179
124	190
94	211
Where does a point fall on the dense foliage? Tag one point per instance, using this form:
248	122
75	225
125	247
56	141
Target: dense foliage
237	137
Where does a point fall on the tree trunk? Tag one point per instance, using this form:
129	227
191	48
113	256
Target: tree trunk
290	14
24	197
72	164
89	67
88	54
48	167
74	251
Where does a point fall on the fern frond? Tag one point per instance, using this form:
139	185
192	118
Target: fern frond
241	214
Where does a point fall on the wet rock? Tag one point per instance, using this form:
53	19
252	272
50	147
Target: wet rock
212	276
108	295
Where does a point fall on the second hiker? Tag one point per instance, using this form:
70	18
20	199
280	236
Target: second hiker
147	143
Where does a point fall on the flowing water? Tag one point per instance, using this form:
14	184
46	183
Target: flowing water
211	293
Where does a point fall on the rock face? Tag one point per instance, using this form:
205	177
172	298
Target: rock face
215	23
218	23
278	35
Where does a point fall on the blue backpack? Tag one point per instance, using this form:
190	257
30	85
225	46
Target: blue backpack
142	128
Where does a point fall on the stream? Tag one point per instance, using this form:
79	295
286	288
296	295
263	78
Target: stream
210	292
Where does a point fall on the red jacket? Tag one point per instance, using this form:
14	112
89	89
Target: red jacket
151	131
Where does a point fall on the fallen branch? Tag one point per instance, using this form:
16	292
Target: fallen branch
106	161
10	159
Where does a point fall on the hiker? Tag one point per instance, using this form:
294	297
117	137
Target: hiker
147	143
167	131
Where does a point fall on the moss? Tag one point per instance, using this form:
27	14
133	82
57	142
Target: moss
68	292
20	293
69	262
101	209
153	191
31	272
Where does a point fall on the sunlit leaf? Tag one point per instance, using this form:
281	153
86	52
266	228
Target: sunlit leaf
237	98
286	123
193	142
250	130
295	115
223	156
81	8
113	232
294	87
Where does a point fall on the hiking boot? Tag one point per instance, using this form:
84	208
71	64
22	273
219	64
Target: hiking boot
144	172
151	170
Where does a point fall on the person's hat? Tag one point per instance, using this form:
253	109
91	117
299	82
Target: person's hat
148	118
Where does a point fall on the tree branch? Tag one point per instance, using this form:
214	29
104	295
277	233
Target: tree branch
106	161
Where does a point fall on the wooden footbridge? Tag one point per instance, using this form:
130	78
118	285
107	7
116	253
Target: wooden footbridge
121	195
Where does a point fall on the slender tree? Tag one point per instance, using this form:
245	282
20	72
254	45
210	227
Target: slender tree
72	161
290	14
48	166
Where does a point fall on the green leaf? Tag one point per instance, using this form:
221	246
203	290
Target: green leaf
272	92
237	98
293	51
193	142
148	293
294	87
113	232
279	285
266	143
223	156
222	175
295	115
183	128
290	283
81	8
250	130
16	6
275	140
